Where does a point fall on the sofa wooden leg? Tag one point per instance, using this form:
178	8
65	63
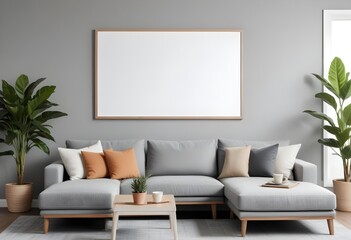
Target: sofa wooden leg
214	210
46	225
331	226
243	227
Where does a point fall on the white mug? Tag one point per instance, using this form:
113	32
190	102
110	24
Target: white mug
157	196
279	178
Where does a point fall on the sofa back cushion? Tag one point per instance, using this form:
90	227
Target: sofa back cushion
224	143
119	145
196	157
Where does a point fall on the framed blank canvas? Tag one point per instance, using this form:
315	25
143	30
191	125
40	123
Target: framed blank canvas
168	74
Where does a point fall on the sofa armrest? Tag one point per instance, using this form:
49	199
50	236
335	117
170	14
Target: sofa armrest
305	171
53	173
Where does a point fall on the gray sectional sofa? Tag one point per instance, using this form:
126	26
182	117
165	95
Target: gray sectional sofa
189	171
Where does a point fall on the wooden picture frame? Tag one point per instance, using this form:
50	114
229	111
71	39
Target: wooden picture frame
168	74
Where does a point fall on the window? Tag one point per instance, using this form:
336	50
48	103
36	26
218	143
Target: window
336	42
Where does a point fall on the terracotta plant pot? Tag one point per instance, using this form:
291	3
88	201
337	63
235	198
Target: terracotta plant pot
139	198
342	191
19	197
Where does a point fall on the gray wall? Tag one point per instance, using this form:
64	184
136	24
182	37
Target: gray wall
282	46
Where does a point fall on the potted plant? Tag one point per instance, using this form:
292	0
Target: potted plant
139	188
339	86
23	124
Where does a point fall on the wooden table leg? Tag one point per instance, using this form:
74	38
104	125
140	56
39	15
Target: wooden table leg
173	220
114	226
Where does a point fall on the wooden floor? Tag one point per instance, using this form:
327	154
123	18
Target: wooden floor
6	218
344	218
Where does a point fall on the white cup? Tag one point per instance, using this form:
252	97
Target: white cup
279	178
157	196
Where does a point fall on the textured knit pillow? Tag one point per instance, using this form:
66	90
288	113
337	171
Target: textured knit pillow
236	162
286	159
262	161
73	162
95	165
122	164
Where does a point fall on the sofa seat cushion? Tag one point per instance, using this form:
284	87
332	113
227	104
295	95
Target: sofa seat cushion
180	186
80	194
246	194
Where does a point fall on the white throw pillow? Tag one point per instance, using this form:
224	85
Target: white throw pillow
73	162
285	160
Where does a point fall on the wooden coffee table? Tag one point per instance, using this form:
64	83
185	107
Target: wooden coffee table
123	206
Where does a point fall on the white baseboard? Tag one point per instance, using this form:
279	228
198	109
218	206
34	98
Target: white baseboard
3	203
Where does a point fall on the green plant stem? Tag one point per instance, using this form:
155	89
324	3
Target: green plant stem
345	161
20	156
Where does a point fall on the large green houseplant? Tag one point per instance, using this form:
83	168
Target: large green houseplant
339	125
23	121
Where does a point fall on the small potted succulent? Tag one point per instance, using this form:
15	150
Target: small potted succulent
139	187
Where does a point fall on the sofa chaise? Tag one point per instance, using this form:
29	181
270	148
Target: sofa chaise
188	170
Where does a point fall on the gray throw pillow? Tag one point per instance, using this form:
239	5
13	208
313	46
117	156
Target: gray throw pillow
262	161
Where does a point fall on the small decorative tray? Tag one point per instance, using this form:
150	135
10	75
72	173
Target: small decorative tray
148	203
273	183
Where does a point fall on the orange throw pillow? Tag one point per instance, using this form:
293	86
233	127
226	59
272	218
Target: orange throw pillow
122	164
95	165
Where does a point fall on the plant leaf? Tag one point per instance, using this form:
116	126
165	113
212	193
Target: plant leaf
45	116
321	116
21	85
346	90
330	142
346	152
337	75
45	135
40	97
327	98
325	83
347	114
6	153
333	130
344	136
9	93
38	125
41	145
30	89
9	137
3	113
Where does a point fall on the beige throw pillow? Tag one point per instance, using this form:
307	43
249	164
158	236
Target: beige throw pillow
285	160
236	162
